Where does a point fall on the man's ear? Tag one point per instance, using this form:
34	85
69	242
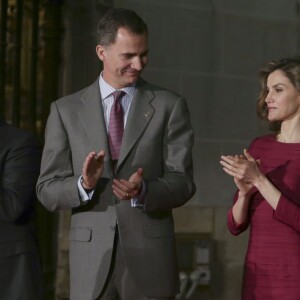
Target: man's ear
100	50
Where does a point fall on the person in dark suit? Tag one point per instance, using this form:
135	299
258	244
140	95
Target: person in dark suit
20	270
122	241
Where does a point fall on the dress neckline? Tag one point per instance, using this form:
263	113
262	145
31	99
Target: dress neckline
283	143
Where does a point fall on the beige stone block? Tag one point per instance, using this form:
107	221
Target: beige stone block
190	219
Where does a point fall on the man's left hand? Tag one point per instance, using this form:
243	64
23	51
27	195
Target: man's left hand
128	189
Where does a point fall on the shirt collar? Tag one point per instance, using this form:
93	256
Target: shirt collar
106	90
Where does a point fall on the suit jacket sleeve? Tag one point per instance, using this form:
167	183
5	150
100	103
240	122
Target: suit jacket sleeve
57	184
176	186
20	161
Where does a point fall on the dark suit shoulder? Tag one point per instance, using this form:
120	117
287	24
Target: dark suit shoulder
14	136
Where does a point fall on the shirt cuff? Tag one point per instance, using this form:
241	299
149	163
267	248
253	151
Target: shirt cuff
139	201
85	196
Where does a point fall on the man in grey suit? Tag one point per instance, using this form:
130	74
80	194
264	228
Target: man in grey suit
122	243
20	269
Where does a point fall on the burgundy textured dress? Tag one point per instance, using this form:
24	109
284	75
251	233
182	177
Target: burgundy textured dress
272	262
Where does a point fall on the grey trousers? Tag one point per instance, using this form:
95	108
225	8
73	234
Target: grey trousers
119	285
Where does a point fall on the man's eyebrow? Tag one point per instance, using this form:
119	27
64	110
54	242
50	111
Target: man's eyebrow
134	53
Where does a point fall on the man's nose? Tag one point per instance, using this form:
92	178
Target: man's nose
137	64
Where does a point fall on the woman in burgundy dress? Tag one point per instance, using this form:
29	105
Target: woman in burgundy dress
267	200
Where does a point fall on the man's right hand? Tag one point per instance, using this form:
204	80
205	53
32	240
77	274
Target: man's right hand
92	169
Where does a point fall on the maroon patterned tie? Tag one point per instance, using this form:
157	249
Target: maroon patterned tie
116	125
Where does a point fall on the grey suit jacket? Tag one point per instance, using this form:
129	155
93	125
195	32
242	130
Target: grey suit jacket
158	138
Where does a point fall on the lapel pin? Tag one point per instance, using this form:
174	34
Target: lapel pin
147	114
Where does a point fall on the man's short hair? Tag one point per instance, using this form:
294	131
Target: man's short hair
115	18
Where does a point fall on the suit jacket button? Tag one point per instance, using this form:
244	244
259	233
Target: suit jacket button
116	201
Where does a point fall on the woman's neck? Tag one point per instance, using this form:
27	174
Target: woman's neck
289	132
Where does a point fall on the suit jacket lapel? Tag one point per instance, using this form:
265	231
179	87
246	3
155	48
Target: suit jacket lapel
92	118
140	114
